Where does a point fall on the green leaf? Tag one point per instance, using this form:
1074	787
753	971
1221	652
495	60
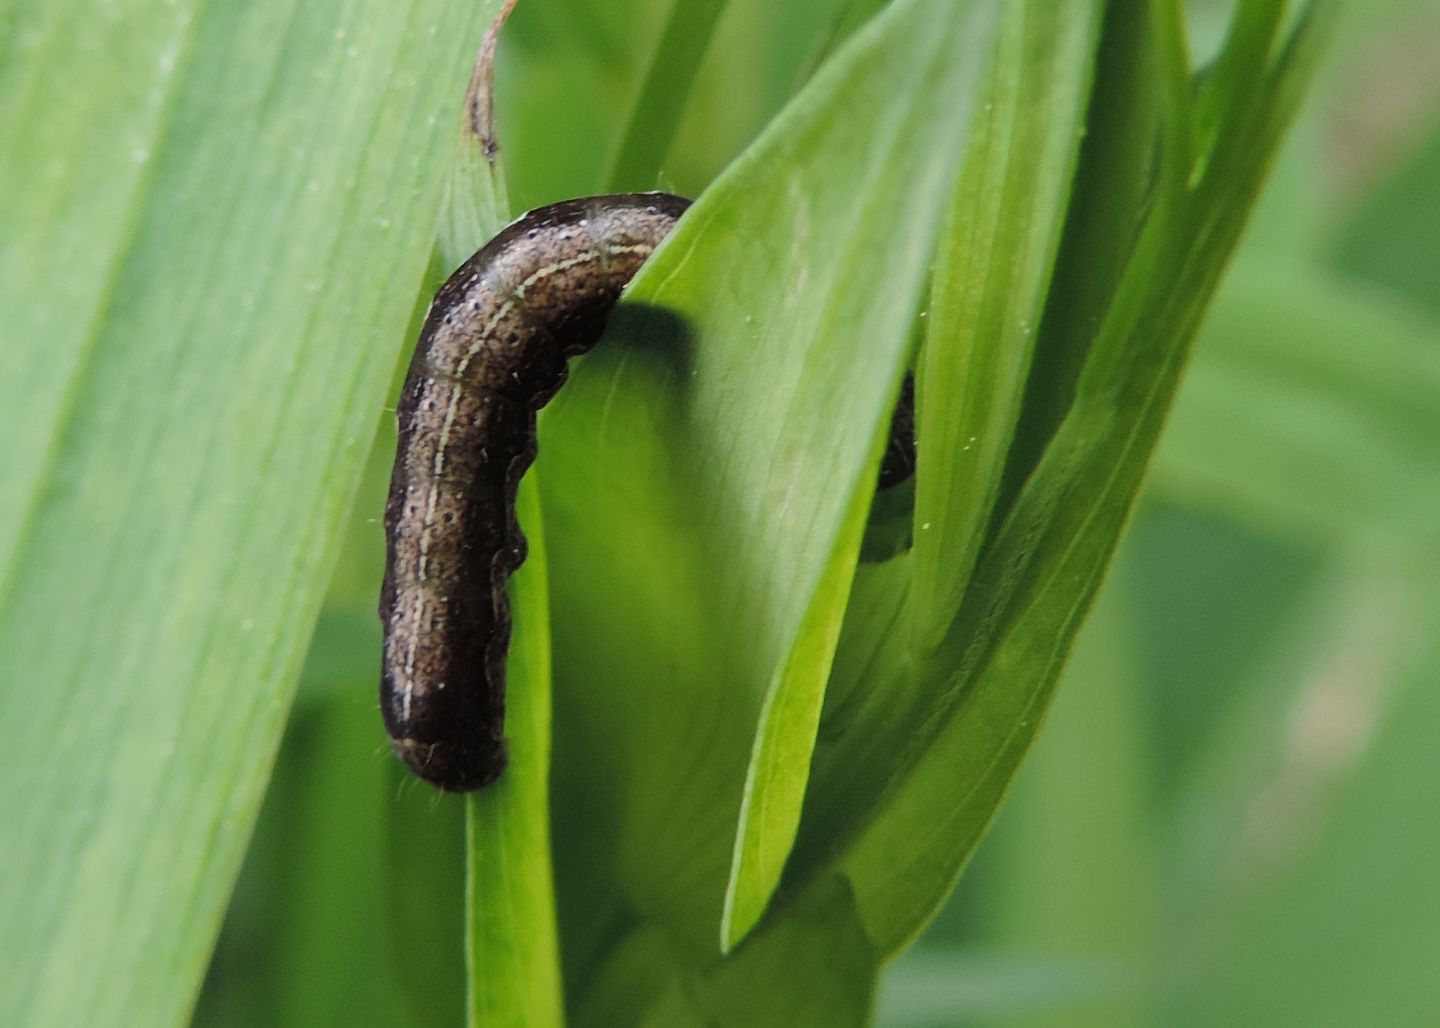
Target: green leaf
511	949
567	74
813	967
708	467
993	269
997	256
664	93
217	218
990	678
1084	791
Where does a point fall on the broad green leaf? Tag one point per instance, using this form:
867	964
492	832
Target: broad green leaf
212	246
643	980
815	966
707	461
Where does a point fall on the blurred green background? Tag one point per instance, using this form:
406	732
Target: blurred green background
1229	816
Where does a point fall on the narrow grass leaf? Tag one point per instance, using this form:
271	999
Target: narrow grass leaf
1040	568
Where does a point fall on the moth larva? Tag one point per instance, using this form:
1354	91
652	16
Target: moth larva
493	350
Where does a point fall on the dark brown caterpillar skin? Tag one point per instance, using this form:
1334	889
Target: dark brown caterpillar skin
492	352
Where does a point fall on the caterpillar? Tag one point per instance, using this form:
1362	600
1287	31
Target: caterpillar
492	351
